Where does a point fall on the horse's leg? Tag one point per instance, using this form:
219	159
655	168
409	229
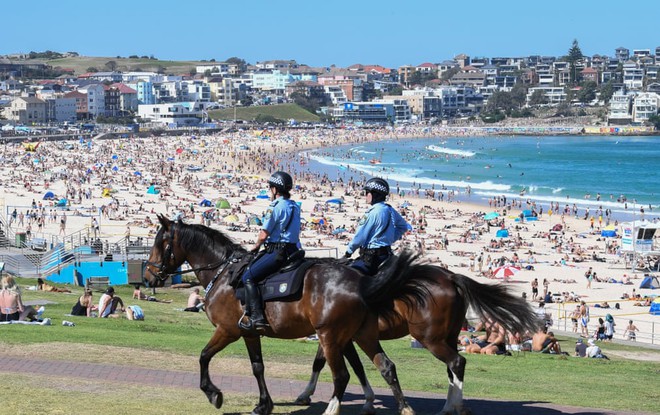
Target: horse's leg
340	376
305	398
387	369
455	372
354	360
265	406
218	342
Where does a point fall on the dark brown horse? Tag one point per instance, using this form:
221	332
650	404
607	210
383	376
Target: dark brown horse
336	303
436	325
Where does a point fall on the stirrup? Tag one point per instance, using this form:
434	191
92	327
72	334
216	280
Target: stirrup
246	323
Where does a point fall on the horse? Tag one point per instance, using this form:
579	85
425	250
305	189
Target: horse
336	303
437	325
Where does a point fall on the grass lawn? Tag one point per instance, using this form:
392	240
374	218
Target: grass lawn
80	64
282	112
171	339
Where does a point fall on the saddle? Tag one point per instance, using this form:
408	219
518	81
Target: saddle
284	285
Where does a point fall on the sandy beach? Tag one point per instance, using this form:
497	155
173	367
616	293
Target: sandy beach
107	183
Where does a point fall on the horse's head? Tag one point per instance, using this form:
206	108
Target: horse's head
166	255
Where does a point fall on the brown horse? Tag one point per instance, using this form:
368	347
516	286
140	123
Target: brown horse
336	303
437	324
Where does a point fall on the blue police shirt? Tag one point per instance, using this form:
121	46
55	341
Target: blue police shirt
282	221
380	226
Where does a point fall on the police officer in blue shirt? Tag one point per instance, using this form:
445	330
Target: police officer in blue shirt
280	234
379	228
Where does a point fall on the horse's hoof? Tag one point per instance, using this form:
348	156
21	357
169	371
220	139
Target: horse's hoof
368	409
407	411
303	401
216	400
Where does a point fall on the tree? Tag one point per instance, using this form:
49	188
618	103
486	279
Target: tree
587	93
447	75
519	94
111	65
574	56
538	98
606	92
242	65
655	121
92	69
246	101
499	101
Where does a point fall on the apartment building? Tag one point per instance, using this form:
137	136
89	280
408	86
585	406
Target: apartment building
26	110
620	109
172	114
644	106
554	95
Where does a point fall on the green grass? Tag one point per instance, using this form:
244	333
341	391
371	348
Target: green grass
81	63
172	339
283	112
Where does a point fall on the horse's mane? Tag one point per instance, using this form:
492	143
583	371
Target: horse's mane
199	237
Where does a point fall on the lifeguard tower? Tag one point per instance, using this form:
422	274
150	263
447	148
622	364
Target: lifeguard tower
640	245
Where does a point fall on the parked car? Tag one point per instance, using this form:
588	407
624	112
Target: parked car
38	244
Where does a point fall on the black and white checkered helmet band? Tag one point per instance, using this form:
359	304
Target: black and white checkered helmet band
379	186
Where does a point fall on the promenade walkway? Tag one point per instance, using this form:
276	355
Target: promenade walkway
280	389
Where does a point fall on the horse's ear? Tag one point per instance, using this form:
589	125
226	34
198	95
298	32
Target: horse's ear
163	221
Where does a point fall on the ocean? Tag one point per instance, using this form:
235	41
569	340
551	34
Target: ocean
617	173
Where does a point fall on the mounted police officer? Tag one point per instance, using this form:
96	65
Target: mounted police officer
379	228
280	235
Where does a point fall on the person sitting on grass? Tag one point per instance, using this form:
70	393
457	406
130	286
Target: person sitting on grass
195	301
545	342
108	304
85	304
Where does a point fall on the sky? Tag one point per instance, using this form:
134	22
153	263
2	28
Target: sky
325	33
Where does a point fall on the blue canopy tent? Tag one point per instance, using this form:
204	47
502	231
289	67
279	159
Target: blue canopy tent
62	202
608	232
205	203
152	190
137	173
502	233
49	195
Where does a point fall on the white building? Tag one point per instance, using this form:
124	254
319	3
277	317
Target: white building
95	99
173	114
644	106
554	95
620	104
633	77
59	109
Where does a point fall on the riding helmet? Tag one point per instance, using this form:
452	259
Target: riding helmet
378	188
282	181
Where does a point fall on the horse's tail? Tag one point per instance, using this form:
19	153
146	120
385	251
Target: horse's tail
495	302
396	281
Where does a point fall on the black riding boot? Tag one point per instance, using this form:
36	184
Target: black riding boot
254	309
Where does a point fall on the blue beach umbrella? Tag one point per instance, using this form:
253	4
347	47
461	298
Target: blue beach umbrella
335	201
491	215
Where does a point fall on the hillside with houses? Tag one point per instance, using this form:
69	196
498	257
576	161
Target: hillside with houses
53	88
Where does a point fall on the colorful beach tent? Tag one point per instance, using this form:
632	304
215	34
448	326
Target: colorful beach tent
62	202
655	307
222	204
152	190
254	220
335	201
608	232
49	195
502	233
650	282
205	203
231	219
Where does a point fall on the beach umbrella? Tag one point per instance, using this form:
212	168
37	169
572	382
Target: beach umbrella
505	272
114	157
230	219
115	168
179	150
137	173
335	201
491	215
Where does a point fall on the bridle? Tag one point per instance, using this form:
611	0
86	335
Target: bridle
162	276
